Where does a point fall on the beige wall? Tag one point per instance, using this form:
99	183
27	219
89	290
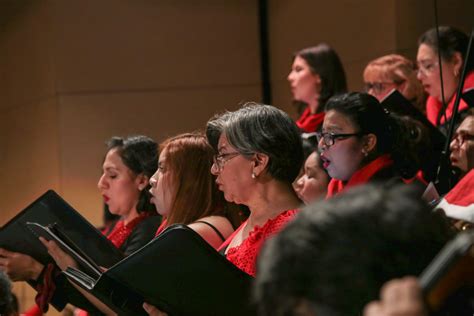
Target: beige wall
75	72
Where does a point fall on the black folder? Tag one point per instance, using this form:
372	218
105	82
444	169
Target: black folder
51	209
178	272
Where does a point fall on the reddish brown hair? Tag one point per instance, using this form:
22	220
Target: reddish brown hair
189	158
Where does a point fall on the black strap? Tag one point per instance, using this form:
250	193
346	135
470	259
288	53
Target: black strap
214	228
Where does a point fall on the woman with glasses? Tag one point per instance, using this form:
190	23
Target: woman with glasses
360	142
258	156
451	48
316	75
389	72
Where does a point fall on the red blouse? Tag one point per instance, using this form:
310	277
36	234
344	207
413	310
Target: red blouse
361	176
433	106
310	122
244	256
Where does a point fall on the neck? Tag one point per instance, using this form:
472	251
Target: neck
270	199
314	105
130	216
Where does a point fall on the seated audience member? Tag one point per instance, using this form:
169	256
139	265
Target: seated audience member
184	190
316	75
452	49
335	256
389	72
313	183
360	142
127	168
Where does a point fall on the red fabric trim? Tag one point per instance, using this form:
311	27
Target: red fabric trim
361	176
310	122
433	105
244	256
463	192
121	231
33	311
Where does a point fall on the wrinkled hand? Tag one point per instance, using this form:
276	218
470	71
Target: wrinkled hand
152	310
18	266
62	259
398	297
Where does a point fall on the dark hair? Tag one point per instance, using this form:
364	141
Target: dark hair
214	128
258	128
338	253
394	136
6	298
451	40
324	61
140	155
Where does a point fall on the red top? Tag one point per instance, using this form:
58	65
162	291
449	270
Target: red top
310	122
244	256
361	176
433	105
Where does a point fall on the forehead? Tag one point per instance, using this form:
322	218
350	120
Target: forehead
223	142
113	159
312	160
337	121
163	155
425	52
375	74
467	126
300	61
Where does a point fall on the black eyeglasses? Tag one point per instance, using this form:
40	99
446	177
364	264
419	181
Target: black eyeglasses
330	138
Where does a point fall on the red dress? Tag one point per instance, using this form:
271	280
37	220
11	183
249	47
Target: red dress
433	106
363	175
310	123
244	256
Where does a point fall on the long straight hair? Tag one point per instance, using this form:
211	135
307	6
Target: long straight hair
189	158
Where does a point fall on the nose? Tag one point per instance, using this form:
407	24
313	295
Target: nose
290	76
454	144
321	145
102	184
214	169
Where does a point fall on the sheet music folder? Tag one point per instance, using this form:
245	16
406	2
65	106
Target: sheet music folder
50	209
178	272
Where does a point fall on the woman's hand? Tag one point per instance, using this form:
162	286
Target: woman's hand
152	310
18	266
398	297
62	259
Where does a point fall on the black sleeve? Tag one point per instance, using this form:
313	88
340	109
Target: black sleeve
141	235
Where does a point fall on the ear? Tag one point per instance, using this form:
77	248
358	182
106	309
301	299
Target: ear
142	181
260	163
456	60
370	142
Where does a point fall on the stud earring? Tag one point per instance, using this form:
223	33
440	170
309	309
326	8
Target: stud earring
365	153
254	176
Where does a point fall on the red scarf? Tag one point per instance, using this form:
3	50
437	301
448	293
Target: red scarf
121	230
310	122
361	176
433	106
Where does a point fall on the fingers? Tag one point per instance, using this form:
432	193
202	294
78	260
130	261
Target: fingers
373	309
152	310
5	253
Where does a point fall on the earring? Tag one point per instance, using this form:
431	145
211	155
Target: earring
456	72
365	153
254	176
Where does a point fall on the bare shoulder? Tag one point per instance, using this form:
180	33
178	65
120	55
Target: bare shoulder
221	223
